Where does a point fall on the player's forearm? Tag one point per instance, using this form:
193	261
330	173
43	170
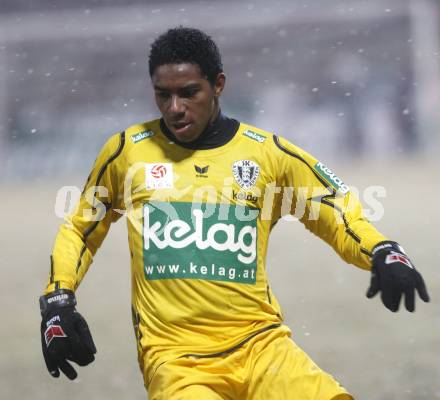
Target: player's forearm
77	241
363	238
340	223
70	260
356	243
359	236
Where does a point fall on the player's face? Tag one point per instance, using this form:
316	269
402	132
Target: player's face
187	101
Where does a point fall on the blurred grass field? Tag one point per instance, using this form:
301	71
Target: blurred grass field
376	354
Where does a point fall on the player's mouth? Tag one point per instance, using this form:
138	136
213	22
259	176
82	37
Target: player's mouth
181	128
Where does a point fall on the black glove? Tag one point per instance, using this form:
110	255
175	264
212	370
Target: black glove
64	334
394	275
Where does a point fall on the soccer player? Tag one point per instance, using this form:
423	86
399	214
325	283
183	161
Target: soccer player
201	193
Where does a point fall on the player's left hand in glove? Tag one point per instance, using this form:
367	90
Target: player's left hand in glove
394	276
65	335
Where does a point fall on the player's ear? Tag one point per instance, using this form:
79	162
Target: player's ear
219	84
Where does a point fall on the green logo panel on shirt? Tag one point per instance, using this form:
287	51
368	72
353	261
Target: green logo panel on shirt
141	136
255	136
331	177
183	240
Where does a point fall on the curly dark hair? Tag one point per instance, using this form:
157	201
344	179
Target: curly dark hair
186	45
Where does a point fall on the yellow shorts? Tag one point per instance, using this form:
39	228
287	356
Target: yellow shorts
269	366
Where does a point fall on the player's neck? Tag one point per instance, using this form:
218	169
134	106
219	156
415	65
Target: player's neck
218	132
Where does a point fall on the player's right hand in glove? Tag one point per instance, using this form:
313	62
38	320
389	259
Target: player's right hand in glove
65	335
394	276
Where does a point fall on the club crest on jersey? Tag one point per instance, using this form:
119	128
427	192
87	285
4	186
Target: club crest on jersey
52	332
159	176
245	173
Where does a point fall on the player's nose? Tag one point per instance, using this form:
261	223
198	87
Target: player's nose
177	105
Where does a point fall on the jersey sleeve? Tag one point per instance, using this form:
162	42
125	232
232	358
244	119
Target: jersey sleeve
324	204
83	232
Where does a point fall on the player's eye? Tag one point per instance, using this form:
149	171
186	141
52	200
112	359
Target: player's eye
189	92
162	95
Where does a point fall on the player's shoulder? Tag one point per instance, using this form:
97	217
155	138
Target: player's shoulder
119	142
288	149
253	134
139	132
277	145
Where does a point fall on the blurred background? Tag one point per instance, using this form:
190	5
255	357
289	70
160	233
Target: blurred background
356	83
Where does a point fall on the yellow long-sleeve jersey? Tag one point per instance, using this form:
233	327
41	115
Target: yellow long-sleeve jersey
198	227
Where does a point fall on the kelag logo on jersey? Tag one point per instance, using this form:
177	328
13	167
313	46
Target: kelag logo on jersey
331	177
255	136
182	240
141	136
